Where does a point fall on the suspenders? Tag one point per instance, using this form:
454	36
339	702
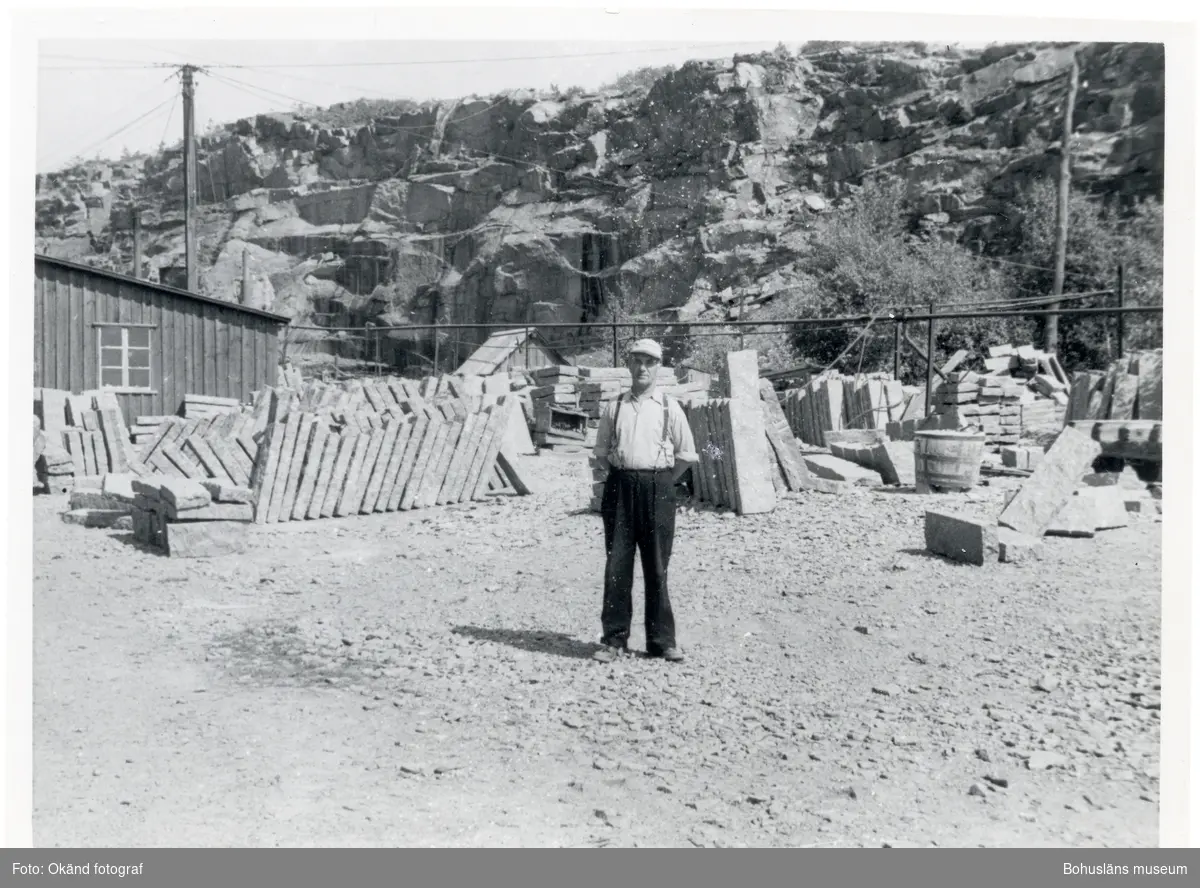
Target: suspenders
665	423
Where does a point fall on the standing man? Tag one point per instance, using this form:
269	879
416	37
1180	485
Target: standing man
646	442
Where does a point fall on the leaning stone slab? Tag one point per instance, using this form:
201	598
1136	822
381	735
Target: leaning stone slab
830	467
1052	484
961	539
205	539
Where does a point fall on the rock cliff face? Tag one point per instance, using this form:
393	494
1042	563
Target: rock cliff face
521	209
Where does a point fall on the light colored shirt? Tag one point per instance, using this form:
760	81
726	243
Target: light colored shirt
637	442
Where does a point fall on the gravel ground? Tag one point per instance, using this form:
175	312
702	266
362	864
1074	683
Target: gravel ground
424	679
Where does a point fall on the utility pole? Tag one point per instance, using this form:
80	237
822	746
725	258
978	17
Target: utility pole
247	281
189	178
137	241
1064	192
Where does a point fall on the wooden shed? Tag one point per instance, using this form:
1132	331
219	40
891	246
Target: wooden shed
510	350
150	344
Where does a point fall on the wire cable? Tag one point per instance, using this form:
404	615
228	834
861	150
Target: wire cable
79	154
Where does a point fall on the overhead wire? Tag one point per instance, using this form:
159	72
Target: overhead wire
82	151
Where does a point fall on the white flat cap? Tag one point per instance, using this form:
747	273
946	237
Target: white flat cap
646	347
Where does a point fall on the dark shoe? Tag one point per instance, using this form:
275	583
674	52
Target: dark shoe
608	653
673	654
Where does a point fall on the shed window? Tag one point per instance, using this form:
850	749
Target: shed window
124	357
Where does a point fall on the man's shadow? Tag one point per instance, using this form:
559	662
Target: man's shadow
533	640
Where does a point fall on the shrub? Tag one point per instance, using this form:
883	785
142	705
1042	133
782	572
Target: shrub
1099	238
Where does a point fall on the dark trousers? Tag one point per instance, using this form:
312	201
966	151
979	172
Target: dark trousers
638	509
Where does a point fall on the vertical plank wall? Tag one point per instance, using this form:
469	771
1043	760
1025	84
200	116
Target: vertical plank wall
197	346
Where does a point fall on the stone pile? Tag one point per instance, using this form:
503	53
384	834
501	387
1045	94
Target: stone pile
192	519
103	502
1065	496
993	405
89	429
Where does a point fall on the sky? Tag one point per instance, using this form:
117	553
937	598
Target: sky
89	92
100	98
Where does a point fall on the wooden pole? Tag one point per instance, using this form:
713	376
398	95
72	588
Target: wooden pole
137	242
929	365
1064	193
1121	315
616	346
247	283
896	352
189	179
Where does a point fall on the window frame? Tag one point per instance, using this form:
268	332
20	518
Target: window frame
126	350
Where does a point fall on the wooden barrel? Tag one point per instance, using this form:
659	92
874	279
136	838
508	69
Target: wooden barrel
947	460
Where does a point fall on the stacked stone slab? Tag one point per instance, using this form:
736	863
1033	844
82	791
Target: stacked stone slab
90	429
104	502
967	401
833	402
192	519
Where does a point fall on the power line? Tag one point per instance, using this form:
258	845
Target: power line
117	132
477	60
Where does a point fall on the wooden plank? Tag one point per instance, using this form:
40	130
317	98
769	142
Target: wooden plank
729	474
696	417
200	451
488	425
313	462
285	466
391	471
73	438
1150	385
468	440
301	454
363	480
232	464
420	429
1124	396
379	472
435	478
434	435
186	465
495	441
333	445
349	481
337	480
507	465
266	466
114	453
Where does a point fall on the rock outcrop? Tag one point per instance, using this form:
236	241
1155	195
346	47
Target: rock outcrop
520	208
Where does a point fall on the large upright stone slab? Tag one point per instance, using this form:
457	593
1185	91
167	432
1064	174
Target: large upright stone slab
1052	483
751	458
742	374
1150	385
1125	393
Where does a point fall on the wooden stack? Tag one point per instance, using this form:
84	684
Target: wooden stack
438	452
831	402
1131	388
205	406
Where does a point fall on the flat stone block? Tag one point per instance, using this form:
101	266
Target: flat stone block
205	539
119	486
228	493
961	539
184	493
93	517
1016	548
212	512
